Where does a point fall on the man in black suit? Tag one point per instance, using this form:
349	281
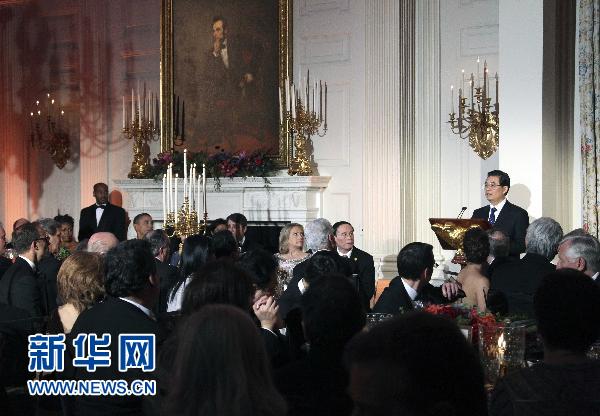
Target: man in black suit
237	224
499	251
415	265
513	285
4	262
581	252
19	287
507	217
102	216
49	265
142	223
160	246
132	289
363	267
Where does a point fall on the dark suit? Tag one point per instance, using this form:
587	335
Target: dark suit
112	316
395	298
168	276
113	220
512	220
4	265
19	287
249	245
498	261
48	268
363	268
513	285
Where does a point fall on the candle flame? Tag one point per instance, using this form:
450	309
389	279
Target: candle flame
501	346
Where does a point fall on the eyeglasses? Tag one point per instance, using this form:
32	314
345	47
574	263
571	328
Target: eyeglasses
46	239
491	185
346	235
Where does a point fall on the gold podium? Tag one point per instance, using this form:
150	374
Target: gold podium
451	232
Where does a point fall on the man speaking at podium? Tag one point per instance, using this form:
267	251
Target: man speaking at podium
501	214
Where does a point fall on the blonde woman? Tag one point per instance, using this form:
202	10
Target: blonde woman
80	284
291	253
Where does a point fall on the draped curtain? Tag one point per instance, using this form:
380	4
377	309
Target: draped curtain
589	92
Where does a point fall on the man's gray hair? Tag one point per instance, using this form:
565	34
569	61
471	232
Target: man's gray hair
49	225
499	243
585	246
317	233
158	240
543	237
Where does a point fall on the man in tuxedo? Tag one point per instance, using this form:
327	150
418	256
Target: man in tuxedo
102	216
363	267
513	284
500	213
415	264
160	246
237	224
499	251
4	262
581	253
132	288
20	287
142	223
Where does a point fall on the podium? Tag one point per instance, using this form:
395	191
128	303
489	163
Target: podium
451	232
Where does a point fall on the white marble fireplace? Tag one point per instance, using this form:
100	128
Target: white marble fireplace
283	198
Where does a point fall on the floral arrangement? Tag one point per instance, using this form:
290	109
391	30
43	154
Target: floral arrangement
220	164
464	317
63	253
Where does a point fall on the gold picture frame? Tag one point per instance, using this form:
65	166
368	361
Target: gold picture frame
169	85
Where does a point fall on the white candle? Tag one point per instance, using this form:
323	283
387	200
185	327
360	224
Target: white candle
171	203
280	110
164	194
176	206
478	79
287	94
198	198
123	112
132	106
204	184
191	187
184	163
293	103
452	99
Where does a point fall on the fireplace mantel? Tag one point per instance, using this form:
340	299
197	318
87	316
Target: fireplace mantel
282	198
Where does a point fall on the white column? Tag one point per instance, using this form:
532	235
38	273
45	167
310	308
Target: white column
521	64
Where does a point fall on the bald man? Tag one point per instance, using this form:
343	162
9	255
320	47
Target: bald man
102	242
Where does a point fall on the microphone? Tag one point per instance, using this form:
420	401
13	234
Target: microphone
463	209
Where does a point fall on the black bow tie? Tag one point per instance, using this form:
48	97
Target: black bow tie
101	206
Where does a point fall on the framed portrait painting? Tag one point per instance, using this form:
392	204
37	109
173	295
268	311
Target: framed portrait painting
222	62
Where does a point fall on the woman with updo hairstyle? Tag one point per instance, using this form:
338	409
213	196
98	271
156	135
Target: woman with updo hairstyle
66	224
80	284
291	253
475	285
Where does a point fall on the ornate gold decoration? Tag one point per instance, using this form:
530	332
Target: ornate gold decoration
476	119
187	222
48	131
167	80
452	234
141	128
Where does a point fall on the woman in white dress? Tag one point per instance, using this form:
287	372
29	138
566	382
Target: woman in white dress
291	253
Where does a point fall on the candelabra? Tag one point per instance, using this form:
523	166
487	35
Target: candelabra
48	133
476	119
303	119
183	221
142	127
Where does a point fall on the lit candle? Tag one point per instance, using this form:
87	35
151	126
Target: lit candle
204	185
132	106
164	194
463	79
198	197
326	104
478	79
320	101
123	112
185	164
452	99
176	206
171	203
314	95
496	88
459	103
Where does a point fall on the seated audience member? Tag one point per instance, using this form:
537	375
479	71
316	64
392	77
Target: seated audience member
580	253
237	224
142	223
514	284
417	364
195	254
66	223
4	262
475	285
82	245
499	251
80	286
48	265
224	246
415	264
291	253
567	310
102	242
160	246
19	287
221	367
132	289
262	269
217	225
363	268
332	313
